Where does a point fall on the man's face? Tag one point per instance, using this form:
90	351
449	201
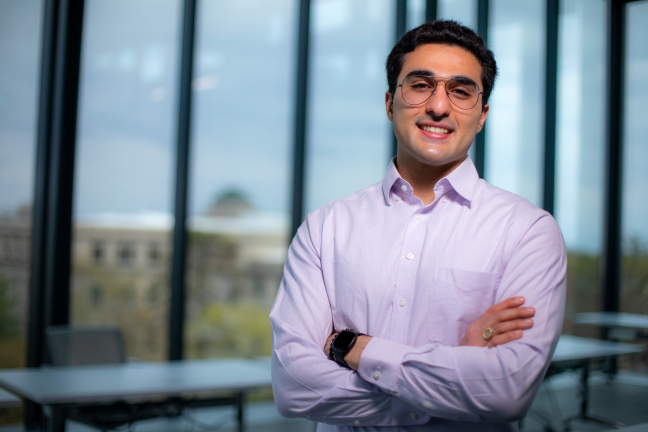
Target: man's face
450	130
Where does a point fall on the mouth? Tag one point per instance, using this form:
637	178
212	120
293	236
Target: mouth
435	129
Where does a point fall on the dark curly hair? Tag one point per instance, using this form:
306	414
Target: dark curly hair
447	33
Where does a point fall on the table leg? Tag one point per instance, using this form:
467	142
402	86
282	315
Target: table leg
241	412
584	410
56	422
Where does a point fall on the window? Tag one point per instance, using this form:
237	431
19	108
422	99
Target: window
349	138
241	160
20	36
98	252
125	164
580	151
515	126
634	264
126	255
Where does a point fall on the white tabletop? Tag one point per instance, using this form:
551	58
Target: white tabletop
132	381
613	319
9	400
574	348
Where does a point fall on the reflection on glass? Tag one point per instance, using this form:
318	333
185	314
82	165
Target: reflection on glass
515	126
634	268
349	136
240	174
580	150
124	171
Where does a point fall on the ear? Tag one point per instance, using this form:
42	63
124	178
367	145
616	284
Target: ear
389	106
482	118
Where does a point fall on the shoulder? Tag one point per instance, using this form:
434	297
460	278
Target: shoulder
523	220
342	212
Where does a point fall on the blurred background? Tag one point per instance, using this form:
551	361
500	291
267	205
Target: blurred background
93	185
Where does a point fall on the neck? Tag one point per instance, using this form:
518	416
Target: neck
423	177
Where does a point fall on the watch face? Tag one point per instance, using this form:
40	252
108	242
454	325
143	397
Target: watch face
344	339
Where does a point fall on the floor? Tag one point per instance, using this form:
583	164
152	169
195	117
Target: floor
624	399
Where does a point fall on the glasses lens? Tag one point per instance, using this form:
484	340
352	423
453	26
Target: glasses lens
463	94
418	89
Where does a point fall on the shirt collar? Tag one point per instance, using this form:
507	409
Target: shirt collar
462	179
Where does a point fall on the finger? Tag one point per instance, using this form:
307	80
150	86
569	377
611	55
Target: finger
508	326
509	303
504	338
512	314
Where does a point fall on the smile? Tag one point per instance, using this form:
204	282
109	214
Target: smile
434	129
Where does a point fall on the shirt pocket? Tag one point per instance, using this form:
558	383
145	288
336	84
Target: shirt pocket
457	299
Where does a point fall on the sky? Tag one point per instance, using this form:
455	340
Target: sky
244	80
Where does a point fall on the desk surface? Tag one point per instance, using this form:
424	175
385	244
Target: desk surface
9	400
613	319
574	348
133	381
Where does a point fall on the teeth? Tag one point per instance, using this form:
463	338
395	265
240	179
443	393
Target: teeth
434	129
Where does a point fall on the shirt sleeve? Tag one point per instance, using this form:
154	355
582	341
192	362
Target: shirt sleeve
305	382
474	383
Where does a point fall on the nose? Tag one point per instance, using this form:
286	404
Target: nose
439	105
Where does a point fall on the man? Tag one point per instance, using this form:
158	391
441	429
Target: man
415	286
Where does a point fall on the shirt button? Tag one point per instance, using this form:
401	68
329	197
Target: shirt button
410	256
402	302
444	200
404	188
398	199
413	415
419	217
376	375
356	422
427	404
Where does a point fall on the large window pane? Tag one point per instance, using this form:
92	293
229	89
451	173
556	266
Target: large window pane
581	149
124	170
515	125
463	11
634	280
349	135
240	174
20	23
20	36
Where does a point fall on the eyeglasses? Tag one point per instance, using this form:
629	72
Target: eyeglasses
417	89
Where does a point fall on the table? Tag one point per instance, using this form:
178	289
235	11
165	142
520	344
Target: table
616	320
577	353
187	382
8	400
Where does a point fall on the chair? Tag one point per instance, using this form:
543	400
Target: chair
69	346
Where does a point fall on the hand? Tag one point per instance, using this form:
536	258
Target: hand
506	319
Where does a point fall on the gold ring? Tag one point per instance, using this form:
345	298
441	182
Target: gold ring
488	334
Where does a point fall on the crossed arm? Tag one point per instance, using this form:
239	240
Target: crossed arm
507	319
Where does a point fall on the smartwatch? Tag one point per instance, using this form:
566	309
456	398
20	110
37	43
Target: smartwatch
342	344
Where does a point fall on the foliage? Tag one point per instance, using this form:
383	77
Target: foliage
634	277
230	330
8	320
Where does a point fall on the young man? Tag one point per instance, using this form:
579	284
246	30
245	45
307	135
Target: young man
415	286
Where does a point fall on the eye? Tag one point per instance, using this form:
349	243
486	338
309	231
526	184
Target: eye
419	85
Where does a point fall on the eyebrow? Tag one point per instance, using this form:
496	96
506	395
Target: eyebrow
428	73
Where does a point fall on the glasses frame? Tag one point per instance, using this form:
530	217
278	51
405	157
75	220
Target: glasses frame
437	80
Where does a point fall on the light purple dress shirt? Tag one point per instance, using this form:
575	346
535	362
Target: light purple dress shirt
414	277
